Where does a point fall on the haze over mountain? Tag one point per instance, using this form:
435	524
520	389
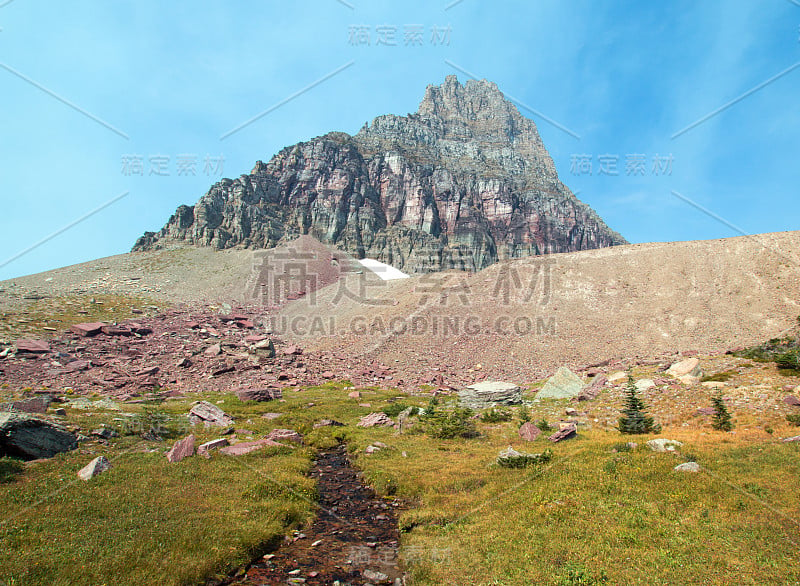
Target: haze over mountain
462	183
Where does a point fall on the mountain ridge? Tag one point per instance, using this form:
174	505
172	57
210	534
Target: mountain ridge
460	184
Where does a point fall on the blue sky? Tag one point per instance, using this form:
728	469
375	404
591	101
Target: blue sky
163	82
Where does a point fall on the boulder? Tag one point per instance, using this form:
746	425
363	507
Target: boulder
688	467
259	394
593	389
209	414
643	384
33	405
490	393
327	423
285	435
354	395
213	350
32	347
181	449
528	431
87	330
93	468
205	449
564	384
792	439
664	445
690	366
265	348
31	438
792	400
375	419
617	376
567	432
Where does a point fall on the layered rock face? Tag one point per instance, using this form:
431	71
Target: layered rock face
464	182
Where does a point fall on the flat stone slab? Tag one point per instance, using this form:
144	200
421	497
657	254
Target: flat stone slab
210	414
205	449
564	384
690	366
243	448
569	431
32	346
87	330
490	393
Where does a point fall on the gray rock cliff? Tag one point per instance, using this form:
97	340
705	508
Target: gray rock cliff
462	183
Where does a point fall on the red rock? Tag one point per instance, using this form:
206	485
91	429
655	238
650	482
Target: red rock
255	338
354	395
789	388
375	419
528	431
291	349
569	431
184	363
192	325
223	370
792	400
77	365
116	331
33	405
245	323
328	374
87	330
181	449
593	389
32	346
243	448
147	371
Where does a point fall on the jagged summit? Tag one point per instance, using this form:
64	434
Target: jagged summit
462	183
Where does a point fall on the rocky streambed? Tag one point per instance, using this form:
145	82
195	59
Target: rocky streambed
354	539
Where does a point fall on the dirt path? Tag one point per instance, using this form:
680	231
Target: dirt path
354	540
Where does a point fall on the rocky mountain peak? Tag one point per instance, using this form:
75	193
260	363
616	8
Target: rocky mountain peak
461	183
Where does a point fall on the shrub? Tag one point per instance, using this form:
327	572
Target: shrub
794	419
543	425
154	423
520	460
524	414
634	419
495	415
395	409
722	418
9	468
450	425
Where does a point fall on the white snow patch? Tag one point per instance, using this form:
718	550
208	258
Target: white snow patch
384	271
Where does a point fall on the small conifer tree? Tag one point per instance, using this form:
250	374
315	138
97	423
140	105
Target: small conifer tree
722	418
635	418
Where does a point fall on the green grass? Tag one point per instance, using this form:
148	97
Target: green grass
590	515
